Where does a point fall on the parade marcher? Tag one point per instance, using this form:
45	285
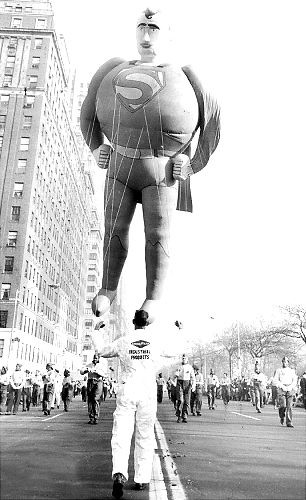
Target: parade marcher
259	384
286	380
95	373
27	391
115	388
4	383
225	384
37	390
197	395
105	388
303	389
136	403
185	383
84	389
212	385
160	382
58	385
48	380
16	384
67	390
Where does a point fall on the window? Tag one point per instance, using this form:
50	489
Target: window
1	142
15	213
16	22
3	323
2	343
5	291
12	43
91	289
9	264
7	80
10	61
40	23
22	163
33	79
18	190
29	101
24	143
27	122
28	9
4	100
93	256
35	62
38	43
88	324
2	121
18	8
12	238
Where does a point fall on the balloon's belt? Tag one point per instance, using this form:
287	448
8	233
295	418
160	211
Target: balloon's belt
141	153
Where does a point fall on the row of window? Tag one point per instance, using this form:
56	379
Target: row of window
40	23
26	124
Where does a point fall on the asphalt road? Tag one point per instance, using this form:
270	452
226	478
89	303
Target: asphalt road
229	453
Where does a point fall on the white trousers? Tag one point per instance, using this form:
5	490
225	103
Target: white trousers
135	408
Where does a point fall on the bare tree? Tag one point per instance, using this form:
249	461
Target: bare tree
295	323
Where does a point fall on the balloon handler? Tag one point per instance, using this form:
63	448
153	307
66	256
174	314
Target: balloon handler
149	111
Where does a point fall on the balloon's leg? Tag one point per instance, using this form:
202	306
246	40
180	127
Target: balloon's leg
102	301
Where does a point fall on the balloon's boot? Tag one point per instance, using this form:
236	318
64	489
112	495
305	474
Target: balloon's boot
152	307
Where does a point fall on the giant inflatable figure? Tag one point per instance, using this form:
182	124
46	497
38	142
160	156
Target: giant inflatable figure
149	111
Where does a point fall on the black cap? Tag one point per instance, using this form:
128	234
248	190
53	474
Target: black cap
141	318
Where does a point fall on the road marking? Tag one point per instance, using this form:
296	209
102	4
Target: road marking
171	483
50	418
246	416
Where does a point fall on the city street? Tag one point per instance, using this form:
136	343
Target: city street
229	453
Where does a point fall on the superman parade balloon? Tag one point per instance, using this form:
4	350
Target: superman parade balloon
149	111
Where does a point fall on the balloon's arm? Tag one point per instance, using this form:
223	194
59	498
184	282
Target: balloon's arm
209	122
89	123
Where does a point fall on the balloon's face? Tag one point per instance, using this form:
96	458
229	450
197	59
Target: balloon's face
151	39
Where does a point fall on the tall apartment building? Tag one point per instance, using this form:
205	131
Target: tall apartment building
46	194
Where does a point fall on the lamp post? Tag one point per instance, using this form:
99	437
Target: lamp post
238	350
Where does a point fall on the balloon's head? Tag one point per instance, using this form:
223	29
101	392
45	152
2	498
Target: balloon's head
152	34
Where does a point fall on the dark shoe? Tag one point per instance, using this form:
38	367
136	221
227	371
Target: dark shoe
258	410
140	486
45	413
212	407
199	413
290	425
118	483
90	422
184	420
24	410
179	420
282	421
94	422
49	412
193	413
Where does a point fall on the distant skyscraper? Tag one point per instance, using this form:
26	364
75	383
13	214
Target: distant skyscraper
46	194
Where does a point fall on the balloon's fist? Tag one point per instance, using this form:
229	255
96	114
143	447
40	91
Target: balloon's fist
181	167
102	155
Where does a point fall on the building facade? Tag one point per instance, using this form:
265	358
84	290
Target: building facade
46	195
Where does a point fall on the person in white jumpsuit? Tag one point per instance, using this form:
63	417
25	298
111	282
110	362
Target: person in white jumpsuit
138	355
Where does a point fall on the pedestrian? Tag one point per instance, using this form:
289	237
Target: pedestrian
105	388
27	391
67	390
37	390
136	403
4	383
94	388
212	385
225	388
303	389
185	383
16	384
48	380
160	382
286	379
259	383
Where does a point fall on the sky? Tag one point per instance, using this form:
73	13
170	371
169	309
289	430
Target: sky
241	253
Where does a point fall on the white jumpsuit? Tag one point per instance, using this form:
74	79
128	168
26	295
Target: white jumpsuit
136	402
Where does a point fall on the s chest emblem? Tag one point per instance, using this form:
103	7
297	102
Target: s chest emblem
135	87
